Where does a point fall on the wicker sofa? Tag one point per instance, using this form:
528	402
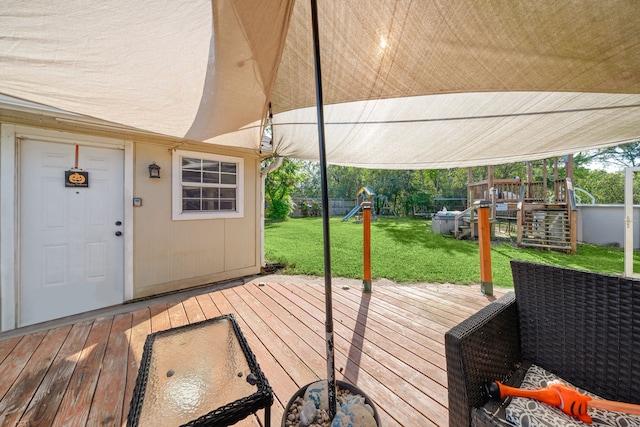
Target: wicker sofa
579	325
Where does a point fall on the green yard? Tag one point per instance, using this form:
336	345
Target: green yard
406	250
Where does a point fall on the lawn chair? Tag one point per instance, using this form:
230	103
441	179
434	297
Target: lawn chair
581	326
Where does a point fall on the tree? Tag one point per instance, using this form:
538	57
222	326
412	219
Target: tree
345	181
308	185
510	170
625	155
278	187
605	187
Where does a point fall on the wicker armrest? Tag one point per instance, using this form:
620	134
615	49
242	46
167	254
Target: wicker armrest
485	347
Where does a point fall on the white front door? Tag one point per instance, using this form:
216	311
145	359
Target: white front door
71	244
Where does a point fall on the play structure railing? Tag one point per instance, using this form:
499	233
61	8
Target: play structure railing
545	218
504	190
548	223
508	191
560	191
536	192
458	220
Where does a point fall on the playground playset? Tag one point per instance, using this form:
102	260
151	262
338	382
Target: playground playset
380	205
543	212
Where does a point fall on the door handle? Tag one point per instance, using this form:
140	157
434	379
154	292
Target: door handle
118	233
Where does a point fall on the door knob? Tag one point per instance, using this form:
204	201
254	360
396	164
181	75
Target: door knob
118	233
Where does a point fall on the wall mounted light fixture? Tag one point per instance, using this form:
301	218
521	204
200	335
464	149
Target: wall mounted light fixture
154	170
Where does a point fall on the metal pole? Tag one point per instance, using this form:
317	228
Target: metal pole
331	373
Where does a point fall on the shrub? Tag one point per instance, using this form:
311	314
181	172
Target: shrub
280	208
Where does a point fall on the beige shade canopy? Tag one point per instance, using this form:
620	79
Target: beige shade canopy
416	84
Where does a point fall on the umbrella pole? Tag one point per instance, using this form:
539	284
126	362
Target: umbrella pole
331	373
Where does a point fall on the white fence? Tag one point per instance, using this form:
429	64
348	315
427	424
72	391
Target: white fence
605	224
337	207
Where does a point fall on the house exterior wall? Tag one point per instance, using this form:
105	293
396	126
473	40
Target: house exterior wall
164	255
170	255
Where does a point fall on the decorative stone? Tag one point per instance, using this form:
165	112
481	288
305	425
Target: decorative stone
317	392
346	398
353	415
307	413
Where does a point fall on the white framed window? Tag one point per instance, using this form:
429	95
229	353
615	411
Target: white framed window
207	186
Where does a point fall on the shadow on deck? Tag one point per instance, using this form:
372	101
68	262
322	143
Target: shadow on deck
389	343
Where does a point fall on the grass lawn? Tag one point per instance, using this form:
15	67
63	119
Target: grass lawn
406	250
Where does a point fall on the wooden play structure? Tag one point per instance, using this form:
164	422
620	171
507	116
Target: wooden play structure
379	205
545	215
383	207
365	194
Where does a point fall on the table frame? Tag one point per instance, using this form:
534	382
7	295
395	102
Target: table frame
225	415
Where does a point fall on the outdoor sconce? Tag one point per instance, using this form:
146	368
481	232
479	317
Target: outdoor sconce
154	170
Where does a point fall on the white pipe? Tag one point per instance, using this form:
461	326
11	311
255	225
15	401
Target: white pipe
263	178
273	166
628	213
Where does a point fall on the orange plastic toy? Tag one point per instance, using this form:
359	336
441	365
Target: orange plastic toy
567	399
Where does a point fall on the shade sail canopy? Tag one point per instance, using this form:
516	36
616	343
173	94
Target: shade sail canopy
407	84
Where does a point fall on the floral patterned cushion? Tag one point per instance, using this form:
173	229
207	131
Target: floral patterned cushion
531	413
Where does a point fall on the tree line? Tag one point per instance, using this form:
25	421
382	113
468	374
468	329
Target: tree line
598	172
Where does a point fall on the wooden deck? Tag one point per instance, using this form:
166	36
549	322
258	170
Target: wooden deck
389	343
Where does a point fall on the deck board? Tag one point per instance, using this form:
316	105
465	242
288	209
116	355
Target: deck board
76	403
16	360
193	310
15	401
7	347
382	372
108	402
140	328
389	343
53	386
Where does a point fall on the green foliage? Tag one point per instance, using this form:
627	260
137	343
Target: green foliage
278	187
510	170
397	185
401	186
310	208
406	250
345	182
280	208
421	200
308	184
625	155
605	187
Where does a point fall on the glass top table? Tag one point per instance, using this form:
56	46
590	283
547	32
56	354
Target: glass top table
203	374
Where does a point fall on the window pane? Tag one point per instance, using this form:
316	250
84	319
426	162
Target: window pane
227	205
210	165
228	179
210	205
208	185
210	193
228	167
191	192
228	193
211	177
191	176
188	163
190	205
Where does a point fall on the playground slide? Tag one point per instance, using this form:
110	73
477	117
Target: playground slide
352	213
